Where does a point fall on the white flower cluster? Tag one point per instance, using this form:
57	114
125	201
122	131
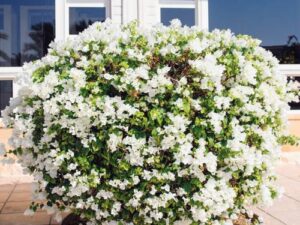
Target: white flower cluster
166	125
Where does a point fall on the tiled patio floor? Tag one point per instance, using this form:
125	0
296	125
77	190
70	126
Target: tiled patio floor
14	198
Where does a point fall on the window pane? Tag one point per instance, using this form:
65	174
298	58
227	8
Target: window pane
6	92
1	19
26	29
81	18
185	15
275	22
295	105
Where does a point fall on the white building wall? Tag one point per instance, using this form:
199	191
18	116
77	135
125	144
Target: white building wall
148	12
116	10
129	10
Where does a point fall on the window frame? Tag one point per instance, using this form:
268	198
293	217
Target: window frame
10	73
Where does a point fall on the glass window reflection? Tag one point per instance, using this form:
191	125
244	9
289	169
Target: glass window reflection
295	105
6	92
185	15
1	19
28	26
275	22
81	18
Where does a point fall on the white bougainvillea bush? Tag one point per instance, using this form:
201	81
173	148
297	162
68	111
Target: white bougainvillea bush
162	125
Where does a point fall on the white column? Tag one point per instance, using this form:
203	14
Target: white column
115	7
60	19
129	10
148	12
202	14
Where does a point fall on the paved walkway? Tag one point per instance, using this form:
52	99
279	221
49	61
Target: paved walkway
285	211
14	198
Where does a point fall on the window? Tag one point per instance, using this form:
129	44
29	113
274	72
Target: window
184	10
79	14
186	16
80	18
294	105
26	29
6	92
276	23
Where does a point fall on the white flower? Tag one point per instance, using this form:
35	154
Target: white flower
58	217
199	214
116	208
104	194
197	46
211	162
213	71
216	121
183	222
175	23
108	76
248	74
78	76
241	92
114	141
29	212
222	102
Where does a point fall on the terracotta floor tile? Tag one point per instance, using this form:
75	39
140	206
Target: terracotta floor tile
20	219
289	217
291	187
268	219
282	205
15	207
24	187
6	188
4	196
289	170
20	196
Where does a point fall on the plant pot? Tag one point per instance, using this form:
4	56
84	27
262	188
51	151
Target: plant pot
73	219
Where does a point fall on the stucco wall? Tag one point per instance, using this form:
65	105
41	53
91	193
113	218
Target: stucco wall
294	127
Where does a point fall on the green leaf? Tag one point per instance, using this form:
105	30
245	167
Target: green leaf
157	114
186	106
